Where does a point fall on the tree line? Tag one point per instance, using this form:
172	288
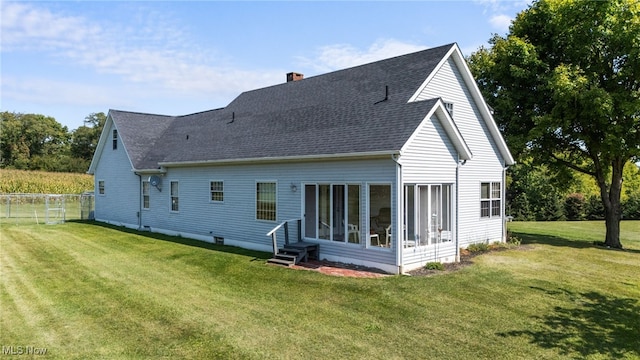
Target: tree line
39	142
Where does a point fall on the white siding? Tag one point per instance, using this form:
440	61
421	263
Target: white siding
235	218
430	157
119	204
486	164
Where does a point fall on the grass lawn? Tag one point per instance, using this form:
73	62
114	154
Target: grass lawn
85	290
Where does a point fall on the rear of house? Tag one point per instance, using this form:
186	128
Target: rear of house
403	148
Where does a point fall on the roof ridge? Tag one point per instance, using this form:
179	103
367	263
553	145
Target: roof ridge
140	113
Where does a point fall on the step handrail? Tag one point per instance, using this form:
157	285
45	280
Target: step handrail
272	233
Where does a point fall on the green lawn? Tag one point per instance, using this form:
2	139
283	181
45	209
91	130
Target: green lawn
83	290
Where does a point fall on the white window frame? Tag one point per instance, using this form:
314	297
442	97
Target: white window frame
449	107
368	234
174	196
212	192
101	187
146	192
495	188
275	202
331	220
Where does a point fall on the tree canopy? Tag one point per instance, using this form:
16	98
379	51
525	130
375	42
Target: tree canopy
39	142
565	87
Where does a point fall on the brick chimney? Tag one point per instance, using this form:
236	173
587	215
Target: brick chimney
294	76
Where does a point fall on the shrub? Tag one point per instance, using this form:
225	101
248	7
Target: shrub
594	210
434	265
631	207
513	240
478	247
574	206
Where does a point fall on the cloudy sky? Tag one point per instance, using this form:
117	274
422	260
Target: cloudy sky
68	59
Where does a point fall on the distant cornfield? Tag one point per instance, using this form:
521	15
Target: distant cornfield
41	182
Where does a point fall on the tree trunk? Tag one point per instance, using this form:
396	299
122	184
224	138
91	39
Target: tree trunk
611	202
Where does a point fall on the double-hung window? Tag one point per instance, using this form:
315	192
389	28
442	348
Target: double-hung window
490	199
101	187
217	191
266	201
175	203
145	194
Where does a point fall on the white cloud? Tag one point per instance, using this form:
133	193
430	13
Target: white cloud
158	55
340	56
501	22
46	91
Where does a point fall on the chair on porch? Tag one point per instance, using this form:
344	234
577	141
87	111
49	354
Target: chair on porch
387	238
355	231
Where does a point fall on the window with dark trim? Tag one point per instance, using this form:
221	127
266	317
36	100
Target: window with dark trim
490	199
115	139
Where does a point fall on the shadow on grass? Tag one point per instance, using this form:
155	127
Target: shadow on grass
594	324
564	242
254	254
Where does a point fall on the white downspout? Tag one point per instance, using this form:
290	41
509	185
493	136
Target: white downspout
456	212
399	215
504	202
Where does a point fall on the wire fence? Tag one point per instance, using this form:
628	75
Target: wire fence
46	208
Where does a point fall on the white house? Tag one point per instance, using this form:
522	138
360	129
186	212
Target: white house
391	164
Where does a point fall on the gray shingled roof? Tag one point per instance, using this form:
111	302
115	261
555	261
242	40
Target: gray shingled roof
330	114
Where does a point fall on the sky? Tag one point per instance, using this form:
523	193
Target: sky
68	59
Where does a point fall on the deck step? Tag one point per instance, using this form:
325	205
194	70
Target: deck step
281	261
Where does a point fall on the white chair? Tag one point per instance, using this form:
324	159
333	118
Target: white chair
388	237
353	229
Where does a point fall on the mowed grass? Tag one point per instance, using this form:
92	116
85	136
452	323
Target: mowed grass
84	290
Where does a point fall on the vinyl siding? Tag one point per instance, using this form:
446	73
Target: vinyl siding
119	203
235	218
430	158
486	164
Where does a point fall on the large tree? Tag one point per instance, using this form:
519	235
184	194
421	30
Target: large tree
85	138
565	87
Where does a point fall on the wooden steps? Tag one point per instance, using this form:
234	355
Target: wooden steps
292	254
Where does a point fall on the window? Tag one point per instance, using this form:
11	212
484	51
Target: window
217	191
174	196
380	215
115	139
101	187
490	197
449	107
145	194
266	201
332	212
427	214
